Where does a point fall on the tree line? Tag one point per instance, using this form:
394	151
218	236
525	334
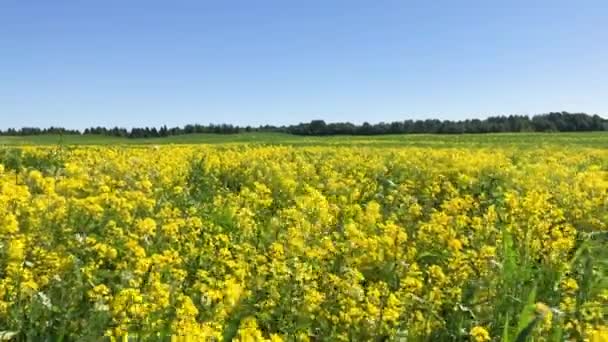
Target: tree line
551	122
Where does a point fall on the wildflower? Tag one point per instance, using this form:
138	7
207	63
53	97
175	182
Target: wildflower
569	285
542	309
9	224
146	227
479	334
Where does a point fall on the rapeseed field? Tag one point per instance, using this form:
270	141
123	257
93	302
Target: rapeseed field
303	243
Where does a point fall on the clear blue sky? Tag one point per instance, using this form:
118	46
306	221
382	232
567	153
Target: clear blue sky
135	63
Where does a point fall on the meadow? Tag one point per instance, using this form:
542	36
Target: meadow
271	237
501	140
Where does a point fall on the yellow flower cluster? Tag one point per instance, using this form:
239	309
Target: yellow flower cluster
271	243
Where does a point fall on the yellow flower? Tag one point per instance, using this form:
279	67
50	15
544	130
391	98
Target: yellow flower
99	293
16	250
9	224
146	226
569	285
479	334
599	334
455	244
542	309
249	331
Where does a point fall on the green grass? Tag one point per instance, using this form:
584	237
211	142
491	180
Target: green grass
587	139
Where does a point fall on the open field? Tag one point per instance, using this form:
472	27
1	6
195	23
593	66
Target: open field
459	238
589	139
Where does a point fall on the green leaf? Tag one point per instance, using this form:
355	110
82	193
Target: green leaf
558	331
527	315
505	330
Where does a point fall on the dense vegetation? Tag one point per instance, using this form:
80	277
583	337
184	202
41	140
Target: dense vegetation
552	122
313	243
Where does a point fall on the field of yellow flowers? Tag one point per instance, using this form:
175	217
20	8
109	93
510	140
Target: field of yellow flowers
313	243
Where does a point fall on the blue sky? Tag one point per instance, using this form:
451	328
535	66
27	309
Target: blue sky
135	63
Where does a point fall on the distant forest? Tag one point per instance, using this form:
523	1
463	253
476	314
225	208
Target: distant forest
551	122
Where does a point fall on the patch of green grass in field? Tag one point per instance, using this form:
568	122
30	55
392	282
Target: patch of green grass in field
588	139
